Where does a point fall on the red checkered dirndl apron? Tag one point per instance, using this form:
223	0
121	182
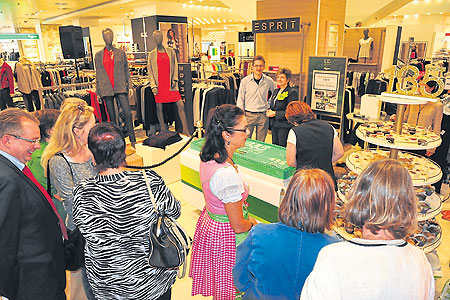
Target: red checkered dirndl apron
213	258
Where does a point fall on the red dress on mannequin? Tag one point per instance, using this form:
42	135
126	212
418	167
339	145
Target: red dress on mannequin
164	94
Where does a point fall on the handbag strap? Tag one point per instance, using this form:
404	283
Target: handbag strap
49	183
150	191
175	229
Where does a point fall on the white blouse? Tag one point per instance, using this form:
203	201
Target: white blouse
227	185
370	270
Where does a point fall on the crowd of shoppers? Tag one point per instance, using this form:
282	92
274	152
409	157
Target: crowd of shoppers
232	256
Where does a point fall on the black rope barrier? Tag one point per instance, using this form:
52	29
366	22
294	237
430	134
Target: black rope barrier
167	159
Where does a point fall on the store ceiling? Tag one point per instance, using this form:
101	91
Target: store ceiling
23	12
226	12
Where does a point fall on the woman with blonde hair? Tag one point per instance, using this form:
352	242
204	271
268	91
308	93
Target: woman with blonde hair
69	161
381	264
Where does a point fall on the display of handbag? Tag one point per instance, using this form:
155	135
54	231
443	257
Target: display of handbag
169	242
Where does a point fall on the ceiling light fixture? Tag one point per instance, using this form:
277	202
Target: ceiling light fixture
206	21
213	21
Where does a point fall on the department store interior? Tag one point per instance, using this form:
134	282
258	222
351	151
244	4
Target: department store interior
352	61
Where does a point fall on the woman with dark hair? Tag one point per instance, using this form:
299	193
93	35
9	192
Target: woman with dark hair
311	143
280	98
287	249
172	42
380	265
113	212
224	222
47	119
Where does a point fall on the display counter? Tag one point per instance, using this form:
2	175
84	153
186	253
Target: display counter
170	171
262	166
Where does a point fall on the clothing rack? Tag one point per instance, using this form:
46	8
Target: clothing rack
209	80
63	86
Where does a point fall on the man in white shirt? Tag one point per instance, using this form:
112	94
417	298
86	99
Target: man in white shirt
254	93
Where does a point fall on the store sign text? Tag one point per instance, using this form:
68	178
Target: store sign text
19	36
276	25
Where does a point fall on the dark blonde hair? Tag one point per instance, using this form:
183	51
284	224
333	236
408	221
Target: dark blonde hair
75	113
383	198
299	111
309	201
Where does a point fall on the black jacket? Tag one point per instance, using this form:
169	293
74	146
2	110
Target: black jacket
279	107
31	245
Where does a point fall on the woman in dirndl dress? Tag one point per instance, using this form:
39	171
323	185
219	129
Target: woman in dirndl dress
224	222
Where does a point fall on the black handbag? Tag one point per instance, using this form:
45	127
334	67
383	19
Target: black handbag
169	243
74	250
74	245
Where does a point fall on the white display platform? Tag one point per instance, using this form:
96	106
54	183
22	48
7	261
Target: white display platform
170	171
404	99
423	171
404	141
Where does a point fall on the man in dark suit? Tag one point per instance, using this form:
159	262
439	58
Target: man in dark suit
32	263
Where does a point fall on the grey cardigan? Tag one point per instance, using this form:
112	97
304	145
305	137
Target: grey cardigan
121	74
152	67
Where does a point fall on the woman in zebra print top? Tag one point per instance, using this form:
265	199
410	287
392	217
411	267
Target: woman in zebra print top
113	211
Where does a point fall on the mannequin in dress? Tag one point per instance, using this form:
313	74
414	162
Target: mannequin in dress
113	78
365	46
6	85
163	76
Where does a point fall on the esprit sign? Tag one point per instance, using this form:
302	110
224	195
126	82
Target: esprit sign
276	25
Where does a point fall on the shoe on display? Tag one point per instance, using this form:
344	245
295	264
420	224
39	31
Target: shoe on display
445	293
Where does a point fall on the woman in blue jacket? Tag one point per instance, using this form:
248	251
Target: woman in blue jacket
275	259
